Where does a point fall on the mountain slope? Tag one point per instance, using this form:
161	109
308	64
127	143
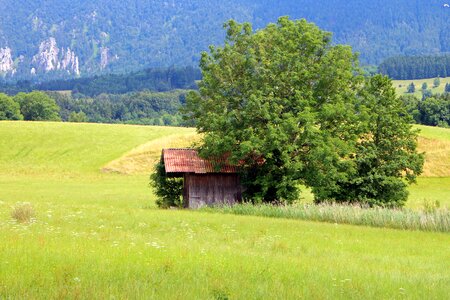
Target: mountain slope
62	38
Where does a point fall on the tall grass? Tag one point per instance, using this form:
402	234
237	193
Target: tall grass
23	212
432	220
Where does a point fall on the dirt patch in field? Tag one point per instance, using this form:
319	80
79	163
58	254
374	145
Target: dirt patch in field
437	157
141	159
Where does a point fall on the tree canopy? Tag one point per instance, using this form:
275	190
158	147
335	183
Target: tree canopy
37	106
385	156
416	67
286	105
9	110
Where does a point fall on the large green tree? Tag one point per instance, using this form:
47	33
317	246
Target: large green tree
38	106
385	155
280	101
9	110
291	108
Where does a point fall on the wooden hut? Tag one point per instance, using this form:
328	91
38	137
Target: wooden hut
205	182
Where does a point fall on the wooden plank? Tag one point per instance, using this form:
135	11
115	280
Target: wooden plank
210	189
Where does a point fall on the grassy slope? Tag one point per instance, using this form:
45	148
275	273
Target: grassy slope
62	162
401	86
96	234
434	185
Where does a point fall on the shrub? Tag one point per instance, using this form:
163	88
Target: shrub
168	189
23	212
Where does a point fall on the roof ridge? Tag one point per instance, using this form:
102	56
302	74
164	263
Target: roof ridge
180	149
187	160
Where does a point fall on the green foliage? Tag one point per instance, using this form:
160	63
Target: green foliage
290	108
447	88
417	67
370	70
411	104
386	155
37	106
168	189
435	110
78	117
432	110
147	108
411	88
436	82
280	101
9	109
154	79
424	86
426	94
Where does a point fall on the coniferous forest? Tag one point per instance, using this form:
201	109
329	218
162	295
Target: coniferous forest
152	79
416	67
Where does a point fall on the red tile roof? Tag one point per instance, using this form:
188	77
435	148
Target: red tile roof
188	161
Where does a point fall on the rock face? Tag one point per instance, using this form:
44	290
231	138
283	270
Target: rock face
51	58
6	61
69	62
104	57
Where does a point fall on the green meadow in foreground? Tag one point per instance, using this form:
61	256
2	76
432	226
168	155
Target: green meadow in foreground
96	232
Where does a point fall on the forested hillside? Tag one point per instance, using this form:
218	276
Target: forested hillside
64	39
151	79
416	67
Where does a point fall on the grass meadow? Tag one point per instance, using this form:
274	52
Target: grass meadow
402	85
96	232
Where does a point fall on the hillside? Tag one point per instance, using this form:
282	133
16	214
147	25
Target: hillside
97	233
66	161
61	39
56	159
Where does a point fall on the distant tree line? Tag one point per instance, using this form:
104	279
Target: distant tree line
154	79
163	108
416	67
147	108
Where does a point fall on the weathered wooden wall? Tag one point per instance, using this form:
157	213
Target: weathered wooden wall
211	189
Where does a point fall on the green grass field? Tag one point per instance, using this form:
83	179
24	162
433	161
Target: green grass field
401	86
97	233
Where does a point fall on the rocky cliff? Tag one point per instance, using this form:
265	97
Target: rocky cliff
51	58
6	61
